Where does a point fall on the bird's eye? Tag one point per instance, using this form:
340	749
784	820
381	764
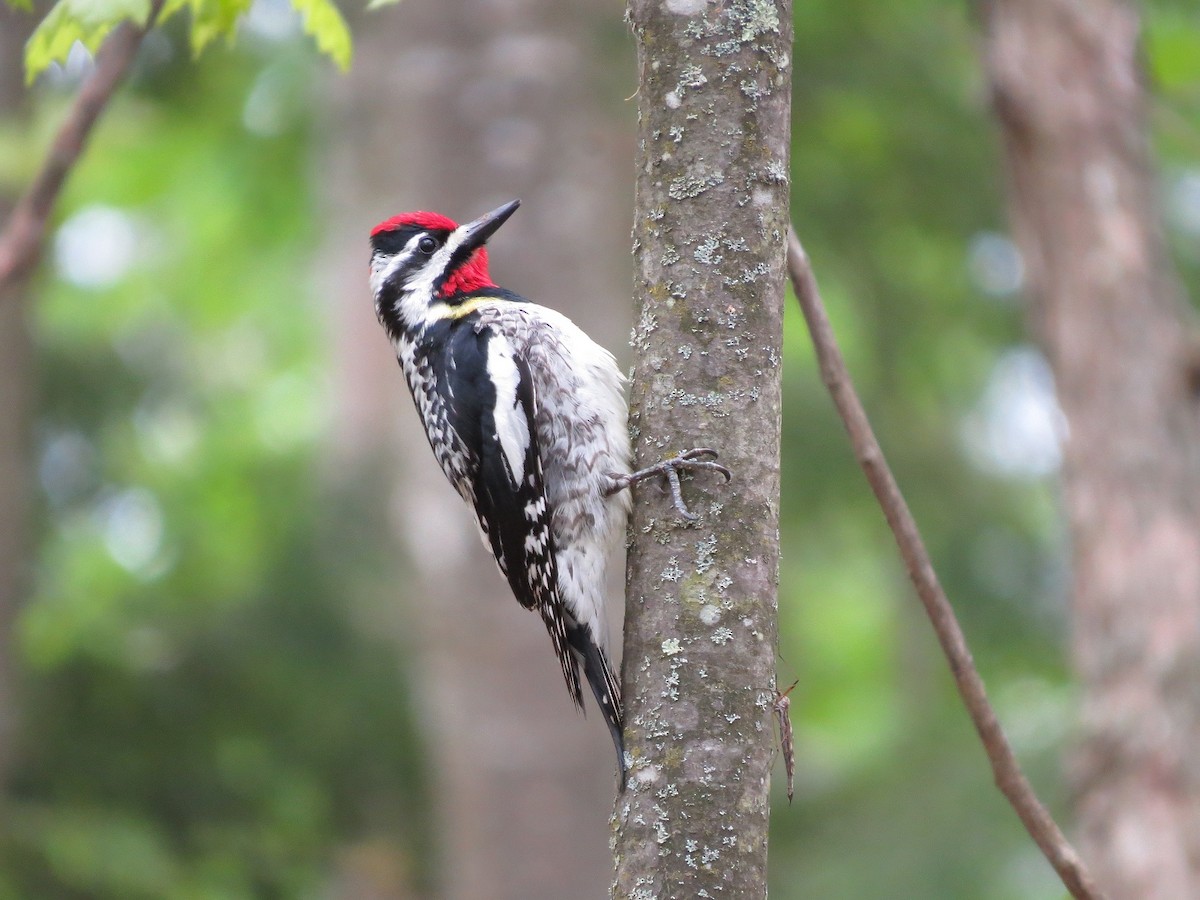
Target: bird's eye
427	244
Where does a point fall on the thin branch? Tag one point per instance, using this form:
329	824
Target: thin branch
21	240
1005	769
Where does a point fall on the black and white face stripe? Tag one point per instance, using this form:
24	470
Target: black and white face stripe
407	239
409	265
398	257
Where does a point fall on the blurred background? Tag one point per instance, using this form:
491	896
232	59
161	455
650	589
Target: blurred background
250	645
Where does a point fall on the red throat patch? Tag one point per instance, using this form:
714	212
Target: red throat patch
470	276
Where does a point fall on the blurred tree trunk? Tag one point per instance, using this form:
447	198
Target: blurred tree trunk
701	618
16	386
458	107
1070	99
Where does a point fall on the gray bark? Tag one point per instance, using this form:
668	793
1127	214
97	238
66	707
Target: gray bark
701	625
458	107
1109	311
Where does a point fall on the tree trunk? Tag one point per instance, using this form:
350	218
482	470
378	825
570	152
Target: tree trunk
16	389
458	107
700	630
1070	99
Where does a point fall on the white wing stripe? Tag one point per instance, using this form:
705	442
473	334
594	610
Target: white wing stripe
512	428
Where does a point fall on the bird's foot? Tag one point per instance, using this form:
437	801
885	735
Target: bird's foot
697	459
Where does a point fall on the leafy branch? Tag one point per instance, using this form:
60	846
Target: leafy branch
21	240
114	30
1006	771
89	22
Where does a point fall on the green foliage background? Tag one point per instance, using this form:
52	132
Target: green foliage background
217	717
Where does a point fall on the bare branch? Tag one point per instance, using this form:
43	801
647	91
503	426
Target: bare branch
21	240
1005	769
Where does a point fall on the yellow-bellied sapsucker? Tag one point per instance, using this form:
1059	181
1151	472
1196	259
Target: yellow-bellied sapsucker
527	417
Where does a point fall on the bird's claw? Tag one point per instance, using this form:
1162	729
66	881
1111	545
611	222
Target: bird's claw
695	459
703	458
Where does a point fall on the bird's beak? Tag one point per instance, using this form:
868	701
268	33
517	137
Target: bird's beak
476	233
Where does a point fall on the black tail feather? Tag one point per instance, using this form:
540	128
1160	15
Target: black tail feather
606	687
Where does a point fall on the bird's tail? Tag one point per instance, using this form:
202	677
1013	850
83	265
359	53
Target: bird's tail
606	687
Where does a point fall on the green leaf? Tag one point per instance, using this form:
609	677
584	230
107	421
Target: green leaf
211	19
327	27
1173	44
23	5
86	21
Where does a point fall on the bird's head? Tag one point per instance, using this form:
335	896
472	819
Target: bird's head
420	259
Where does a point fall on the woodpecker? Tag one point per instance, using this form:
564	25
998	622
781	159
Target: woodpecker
526	416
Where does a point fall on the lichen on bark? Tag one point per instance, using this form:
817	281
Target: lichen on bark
700	635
